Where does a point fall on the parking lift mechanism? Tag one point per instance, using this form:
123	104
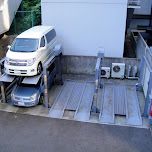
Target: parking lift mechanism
97	80
56	54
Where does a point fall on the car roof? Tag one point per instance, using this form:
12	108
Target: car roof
35	32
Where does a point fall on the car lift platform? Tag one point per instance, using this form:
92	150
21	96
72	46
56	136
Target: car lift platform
120	100
116	100
76	97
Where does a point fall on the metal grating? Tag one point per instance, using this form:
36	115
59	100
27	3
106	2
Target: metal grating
107	104
133	114
57	110
85	103
75	97
119	95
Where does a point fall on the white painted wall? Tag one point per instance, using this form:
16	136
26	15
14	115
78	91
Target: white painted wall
84	26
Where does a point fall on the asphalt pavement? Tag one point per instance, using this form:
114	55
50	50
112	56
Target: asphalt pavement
25	133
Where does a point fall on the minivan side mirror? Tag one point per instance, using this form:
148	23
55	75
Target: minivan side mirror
8	46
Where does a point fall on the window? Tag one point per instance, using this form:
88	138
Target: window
25	45
42	42
50	35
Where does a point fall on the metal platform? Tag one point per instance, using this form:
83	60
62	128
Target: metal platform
107	104
119	95
133	114
84	107
6	78
57	109
76	97
120	100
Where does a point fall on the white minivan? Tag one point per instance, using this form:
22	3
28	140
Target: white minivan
30	50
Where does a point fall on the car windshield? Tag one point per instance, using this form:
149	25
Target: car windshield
25	45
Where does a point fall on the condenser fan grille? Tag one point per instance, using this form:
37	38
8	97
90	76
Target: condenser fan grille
116	68
103	72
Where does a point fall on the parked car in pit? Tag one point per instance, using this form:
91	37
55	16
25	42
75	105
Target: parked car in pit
28	95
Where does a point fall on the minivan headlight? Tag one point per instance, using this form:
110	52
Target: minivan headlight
7	60
30	61
33	97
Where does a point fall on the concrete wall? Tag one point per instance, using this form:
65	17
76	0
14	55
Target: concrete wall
86	65
143	49
145	8
83	27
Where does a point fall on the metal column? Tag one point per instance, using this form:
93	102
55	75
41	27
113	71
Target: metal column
60	82
2	83
97	81
57	51
145	61
45	68
149	109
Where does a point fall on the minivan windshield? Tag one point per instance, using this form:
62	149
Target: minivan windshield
25	45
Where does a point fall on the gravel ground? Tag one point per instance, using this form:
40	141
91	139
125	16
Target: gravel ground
4	42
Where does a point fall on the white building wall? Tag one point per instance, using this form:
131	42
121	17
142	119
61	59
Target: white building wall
7	10
87	25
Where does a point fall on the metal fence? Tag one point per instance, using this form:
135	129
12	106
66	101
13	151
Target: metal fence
23	20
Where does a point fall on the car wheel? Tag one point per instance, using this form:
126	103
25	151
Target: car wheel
41	99
39	68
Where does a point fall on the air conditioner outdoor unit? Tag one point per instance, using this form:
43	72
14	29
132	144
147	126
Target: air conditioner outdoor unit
118	70
105	72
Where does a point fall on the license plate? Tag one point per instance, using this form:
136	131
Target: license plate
21	103
17	72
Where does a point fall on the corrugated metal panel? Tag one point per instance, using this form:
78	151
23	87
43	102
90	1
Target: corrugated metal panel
119	94
57	110
75	97
85	103
107	104
133	114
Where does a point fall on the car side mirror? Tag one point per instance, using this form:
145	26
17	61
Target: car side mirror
8	46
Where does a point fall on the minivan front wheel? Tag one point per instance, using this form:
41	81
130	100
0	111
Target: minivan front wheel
39	68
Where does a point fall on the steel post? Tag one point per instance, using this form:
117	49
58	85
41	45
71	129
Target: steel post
46	97
3	92
141	74
145	114
97	81
60	69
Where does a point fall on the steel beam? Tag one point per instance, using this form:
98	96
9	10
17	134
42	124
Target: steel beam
141	74
149	109
145	114
57	52
97	81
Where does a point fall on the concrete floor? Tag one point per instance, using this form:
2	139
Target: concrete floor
39	110
25	133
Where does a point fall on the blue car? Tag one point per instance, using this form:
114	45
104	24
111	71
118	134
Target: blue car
28	95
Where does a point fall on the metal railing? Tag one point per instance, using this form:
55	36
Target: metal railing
134	2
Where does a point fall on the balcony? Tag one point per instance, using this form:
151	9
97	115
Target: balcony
134	4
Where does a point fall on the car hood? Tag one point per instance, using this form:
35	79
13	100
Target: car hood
20	55
24	91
